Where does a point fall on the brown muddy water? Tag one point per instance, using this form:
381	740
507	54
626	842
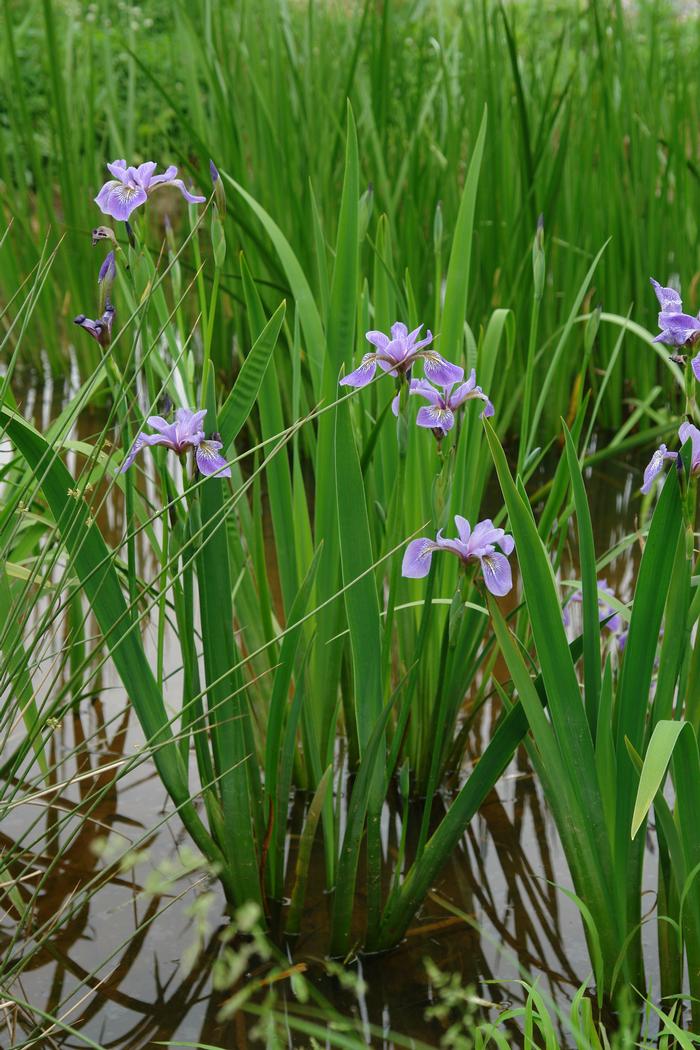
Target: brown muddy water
120	970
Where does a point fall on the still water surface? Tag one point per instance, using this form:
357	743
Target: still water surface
115	969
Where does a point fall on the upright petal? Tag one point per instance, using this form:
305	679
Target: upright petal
399	330
506	543
145	172
689	432
363	374
417	558
119	169
377	339
497	573
655	466
468	391
167	431
484	534
460	395
426	342
438	370
428	391
210	461
464	529
166	176
669	298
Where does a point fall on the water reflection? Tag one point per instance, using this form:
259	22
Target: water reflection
112	969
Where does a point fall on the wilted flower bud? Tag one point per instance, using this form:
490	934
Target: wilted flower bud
538	267
130	235
103	233
100	330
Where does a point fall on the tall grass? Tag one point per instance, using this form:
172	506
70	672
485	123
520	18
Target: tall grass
295	638
596	111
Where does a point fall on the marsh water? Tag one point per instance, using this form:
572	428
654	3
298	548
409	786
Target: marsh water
124	969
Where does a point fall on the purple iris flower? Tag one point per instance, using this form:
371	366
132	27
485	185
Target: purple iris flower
677	328
478	544
439	415
656	463
131	187
614	624
396	356
100	330
186	432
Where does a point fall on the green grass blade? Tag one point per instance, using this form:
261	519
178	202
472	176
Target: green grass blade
237	406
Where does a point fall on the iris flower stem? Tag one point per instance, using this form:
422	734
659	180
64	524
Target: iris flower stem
201	291
123	416
523	444
164	555
689	391
437	731
209	331
394	526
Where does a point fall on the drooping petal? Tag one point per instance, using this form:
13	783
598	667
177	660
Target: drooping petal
119	199
434	417
677	329
497	573
191	198
417	558
669	298
363	374
105	193
438	370
138	444
655	466
210	461
453	546
695	365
